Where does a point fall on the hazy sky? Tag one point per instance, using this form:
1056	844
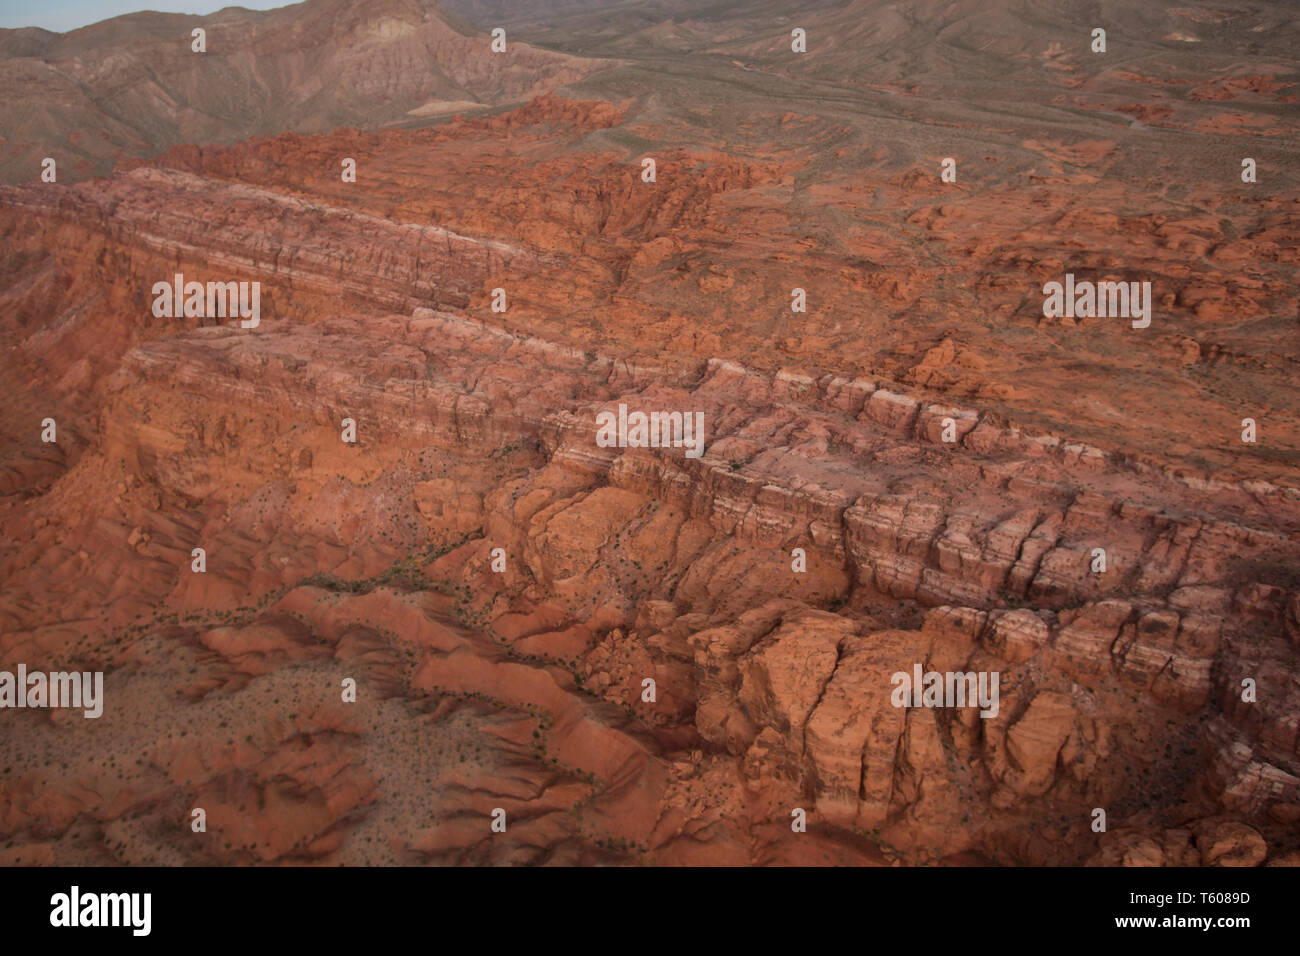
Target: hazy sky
63	15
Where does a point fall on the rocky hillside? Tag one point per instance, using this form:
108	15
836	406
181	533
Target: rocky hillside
919	470
134	86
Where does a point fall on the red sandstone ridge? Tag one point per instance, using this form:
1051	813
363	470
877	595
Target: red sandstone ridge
501	585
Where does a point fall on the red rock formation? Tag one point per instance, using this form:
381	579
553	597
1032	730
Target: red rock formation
525	689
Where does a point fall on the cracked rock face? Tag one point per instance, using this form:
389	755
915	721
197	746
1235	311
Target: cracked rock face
639	655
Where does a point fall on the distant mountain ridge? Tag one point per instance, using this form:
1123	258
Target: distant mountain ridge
132	86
